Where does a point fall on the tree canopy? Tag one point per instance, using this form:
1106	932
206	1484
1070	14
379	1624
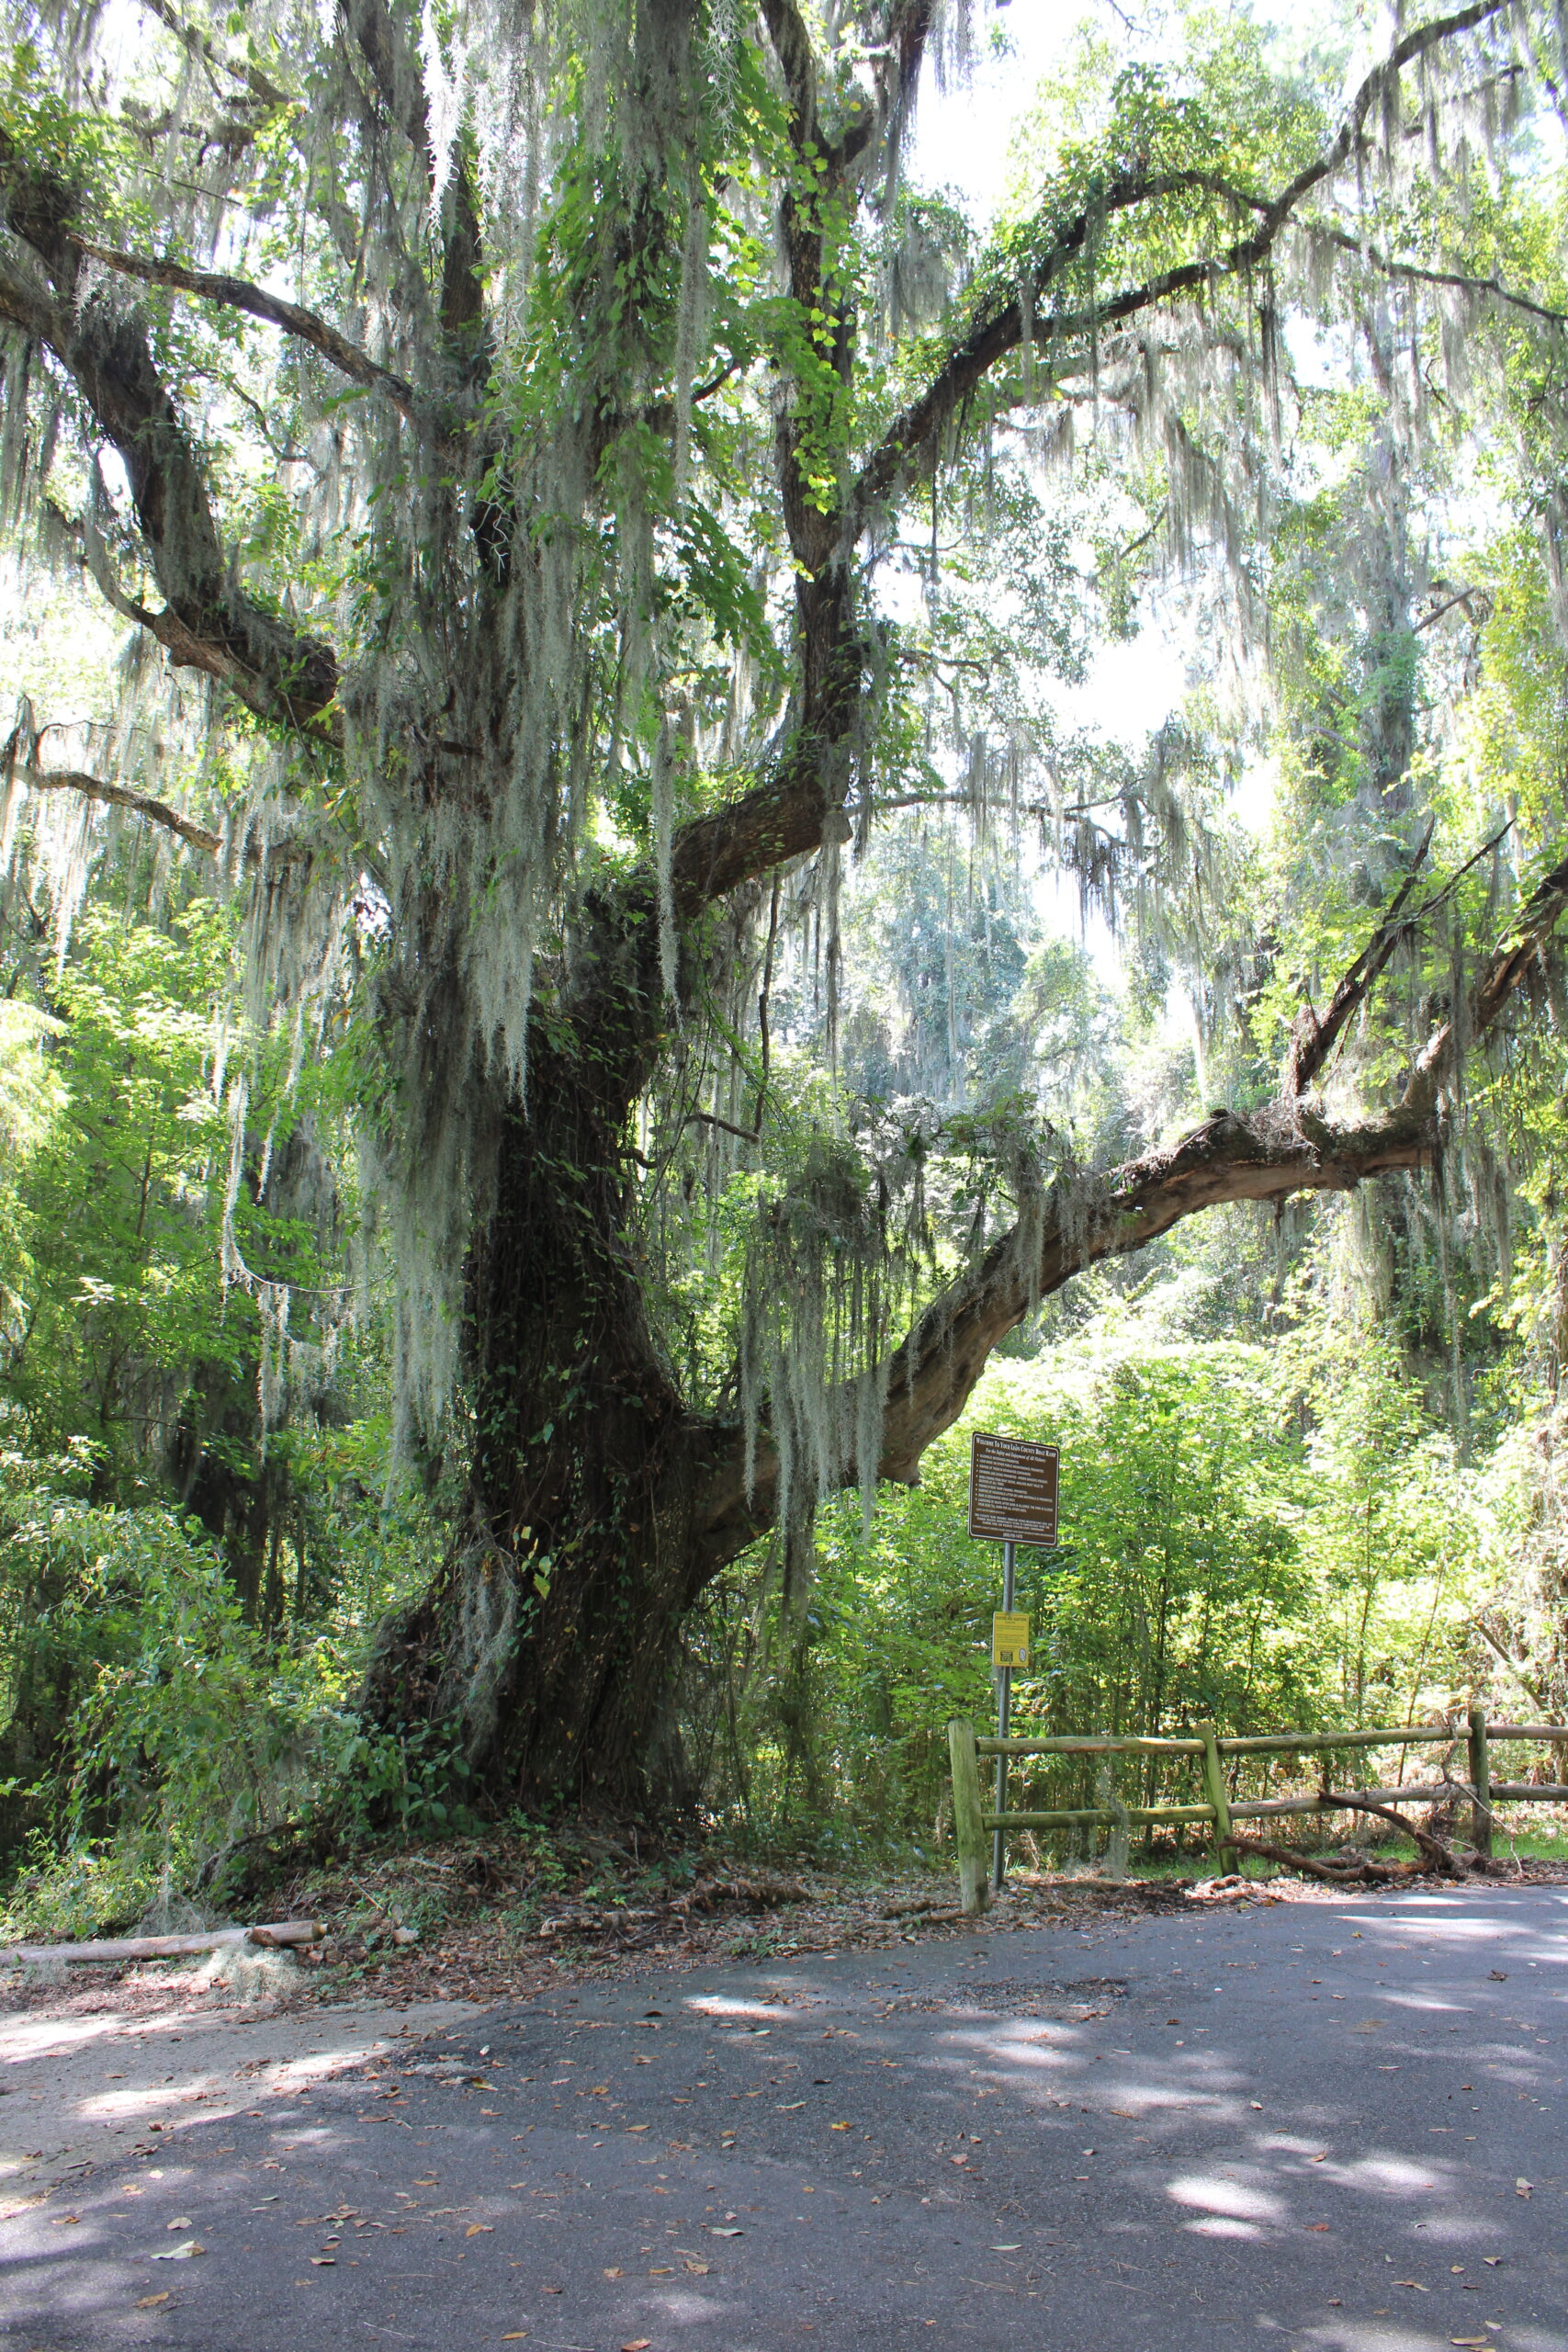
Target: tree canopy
605	556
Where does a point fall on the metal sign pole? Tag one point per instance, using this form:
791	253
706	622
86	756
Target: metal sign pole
1013	1501
1004	1711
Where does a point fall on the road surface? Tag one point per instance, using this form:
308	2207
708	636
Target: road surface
1335	2126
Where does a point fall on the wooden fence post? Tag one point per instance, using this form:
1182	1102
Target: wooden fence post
967	1834
1481	1781
1215	1783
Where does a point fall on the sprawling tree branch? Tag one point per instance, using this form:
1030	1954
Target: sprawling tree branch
1279	1151
913	437
784	816
238	294
933	1374
281	673
120	795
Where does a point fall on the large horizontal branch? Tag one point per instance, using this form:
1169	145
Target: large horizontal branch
121	796
933	1374
1284	1149
238	294
914	436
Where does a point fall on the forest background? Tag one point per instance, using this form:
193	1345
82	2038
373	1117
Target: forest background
1186	721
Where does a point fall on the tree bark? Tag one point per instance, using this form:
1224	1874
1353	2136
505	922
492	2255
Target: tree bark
546	1647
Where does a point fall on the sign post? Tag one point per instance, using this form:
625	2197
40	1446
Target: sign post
1013	1501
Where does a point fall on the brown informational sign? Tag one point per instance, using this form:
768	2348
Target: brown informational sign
1013	1489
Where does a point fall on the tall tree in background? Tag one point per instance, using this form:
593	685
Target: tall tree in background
505	415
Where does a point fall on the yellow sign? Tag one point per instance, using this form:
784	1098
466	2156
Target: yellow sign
1009	1639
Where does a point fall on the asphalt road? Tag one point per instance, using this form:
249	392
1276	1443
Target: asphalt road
1336	2127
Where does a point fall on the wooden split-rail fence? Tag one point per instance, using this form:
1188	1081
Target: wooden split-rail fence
975	1824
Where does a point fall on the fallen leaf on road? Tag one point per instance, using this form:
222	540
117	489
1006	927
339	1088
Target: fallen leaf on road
1317	2225
186	2253
1412	2282
479	2229
1491	2260
638	2343
324	2261
1319	2160
837	2127
714	2232
1007	2249
64	2220
699	2269
180	2222
151	2303
1467	2339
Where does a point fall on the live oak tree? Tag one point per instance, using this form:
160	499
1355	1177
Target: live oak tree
499	421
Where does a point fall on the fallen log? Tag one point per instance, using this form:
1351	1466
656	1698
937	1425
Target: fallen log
273	1935
1361	1873
762	1894
1434	1855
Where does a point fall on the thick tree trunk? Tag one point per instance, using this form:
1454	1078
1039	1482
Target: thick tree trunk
599	1505
547	1642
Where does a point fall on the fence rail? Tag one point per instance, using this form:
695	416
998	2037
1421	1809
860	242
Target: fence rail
975	1824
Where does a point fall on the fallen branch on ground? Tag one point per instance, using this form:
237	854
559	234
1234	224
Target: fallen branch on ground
1434	1855
756	1894
1363	1873
274	1935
